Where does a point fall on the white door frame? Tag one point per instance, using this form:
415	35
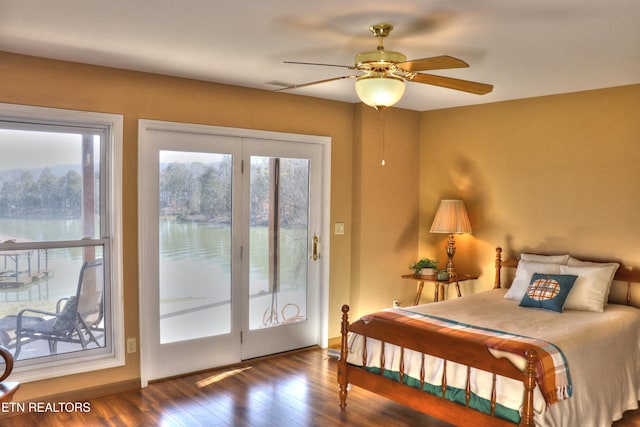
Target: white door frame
144	127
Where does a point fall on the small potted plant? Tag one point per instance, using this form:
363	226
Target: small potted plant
424	267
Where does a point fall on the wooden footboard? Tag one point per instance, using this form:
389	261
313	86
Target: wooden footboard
447	347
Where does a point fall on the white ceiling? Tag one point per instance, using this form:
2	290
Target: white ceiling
524	48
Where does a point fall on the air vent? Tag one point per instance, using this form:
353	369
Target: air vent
279	83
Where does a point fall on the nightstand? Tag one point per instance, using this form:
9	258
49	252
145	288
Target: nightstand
439	284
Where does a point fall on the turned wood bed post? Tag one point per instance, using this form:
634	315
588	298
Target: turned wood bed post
342	363
497	282
529	386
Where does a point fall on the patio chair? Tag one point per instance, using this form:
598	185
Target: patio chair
76	318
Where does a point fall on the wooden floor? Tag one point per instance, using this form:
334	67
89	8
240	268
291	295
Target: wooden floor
294	390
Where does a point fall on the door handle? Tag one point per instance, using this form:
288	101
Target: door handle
315	254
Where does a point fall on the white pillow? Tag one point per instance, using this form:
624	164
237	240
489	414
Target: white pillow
550	259
591	289
613	266
575	262
524	272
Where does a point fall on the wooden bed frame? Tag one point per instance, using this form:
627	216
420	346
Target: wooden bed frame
449	348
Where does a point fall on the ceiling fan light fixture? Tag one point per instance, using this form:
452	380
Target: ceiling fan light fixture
385	71
380	90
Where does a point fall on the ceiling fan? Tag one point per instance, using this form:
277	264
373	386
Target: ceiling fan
383	73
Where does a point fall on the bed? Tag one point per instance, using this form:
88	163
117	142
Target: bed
497	359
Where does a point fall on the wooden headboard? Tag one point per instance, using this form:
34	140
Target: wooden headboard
625	288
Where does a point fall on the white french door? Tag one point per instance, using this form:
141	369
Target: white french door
229	269
282	215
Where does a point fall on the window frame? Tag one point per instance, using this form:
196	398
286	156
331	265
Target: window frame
111	240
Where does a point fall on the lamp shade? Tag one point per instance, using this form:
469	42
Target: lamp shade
379	90
451	218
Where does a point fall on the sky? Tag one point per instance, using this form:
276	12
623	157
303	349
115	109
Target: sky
20	149
188	157
26	149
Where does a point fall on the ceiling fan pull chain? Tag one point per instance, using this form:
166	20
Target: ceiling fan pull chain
382	112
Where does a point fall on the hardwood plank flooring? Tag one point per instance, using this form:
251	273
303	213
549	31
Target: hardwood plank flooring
293	390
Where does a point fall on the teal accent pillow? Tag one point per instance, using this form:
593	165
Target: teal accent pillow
548	291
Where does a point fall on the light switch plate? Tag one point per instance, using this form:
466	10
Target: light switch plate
339	228
131	345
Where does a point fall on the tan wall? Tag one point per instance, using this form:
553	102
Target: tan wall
556	173
385	207
33	81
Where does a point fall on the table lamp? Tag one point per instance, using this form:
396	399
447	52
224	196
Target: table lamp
451	218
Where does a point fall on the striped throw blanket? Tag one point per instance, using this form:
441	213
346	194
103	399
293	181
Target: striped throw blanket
552	371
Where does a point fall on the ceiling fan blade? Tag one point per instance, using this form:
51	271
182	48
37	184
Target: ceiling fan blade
350	67
434	63
451	83
315	83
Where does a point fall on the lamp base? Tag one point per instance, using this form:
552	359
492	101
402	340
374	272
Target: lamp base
451	251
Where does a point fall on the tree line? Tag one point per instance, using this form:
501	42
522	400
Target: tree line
45	196
188	192
202	192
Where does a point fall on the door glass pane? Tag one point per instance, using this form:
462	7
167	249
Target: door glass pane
279	206
195	245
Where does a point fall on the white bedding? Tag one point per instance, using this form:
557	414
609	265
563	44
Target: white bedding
602	351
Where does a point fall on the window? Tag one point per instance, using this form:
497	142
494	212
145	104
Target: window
60	262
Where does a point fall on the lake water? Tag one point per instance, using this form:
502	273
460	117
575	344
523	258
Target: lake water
194	269
195	279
